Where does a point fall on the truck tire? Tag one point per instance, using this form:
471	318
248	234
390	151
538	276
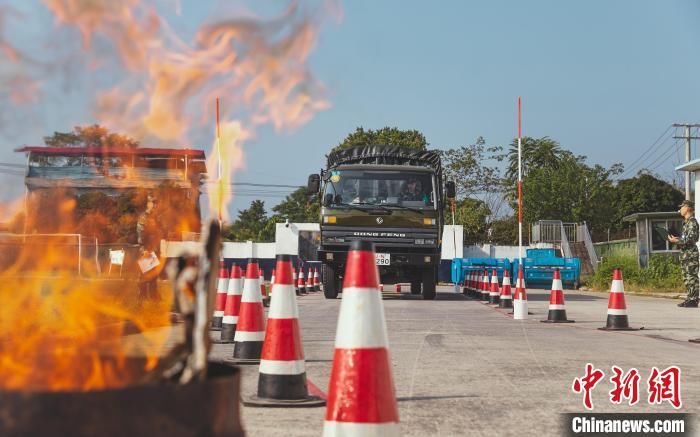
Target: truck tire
415	287
330	281
429	284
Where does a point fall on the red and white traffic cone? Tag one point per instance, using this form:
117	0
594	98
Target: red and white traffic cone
493	291
506	300
310	281
557	307
317	282
485	286
221	290
263	292
250	331
301	282
233	306
282	379
520	306
272	281
361	396
296	281
398	288
617	308
474	288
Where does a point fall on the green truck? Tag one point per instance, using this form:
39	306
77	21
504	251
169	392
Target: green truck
390	195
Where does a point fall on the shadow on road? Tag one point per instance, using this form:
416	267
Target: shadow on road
429	398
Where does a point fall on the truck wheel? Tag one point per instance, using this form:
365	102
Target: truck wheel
429	284
415	287
330	281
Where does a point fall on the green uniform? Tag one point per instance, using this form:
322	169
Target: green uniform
689	257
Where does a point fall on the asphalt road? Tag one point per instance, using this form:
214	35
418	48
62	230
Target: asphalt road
462	367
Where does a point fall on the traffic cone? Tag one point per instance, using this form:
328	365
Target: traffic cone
272	281
506	300
617	309
221	290
263	291
317	282
361	396
493	291
557	307
485	286
310	281
475	291
295	279
520	298
233	306
301	282
282	378
250	331
398	288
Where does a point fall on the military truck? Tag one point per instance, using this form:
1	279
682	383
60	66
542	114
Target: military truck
392	196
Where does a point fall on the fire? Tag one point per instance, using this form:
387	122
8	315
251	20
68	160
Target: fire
61	331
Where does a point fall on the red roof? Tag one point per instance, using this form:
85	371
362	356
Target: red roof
100	151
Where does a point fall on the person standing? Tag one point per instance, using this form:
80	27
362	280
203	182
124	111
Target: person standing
687	243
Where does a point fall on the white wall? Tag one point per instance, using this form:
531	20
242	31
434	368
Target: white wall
287	236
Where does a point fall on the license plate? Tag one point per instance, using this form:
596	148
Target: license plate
382	259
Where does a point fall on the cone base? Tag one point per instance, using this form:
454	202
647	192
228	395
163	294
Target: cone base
216	323
694	340
605	328
215	328
308	401
505	303
241	360
557	321
219	341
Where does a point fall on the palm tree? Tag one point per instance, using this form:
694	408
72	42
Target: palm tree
536	152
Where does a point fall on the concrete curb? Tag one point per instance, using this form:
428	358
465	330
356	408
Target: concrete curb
670	295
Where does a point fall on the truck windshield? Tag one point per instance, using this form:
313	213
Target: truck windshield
376	187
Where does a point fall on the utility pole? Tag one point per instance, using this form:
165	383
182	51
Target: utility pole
687	138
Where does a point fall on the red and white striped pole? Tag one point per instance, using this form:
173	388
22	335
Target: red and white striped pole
520	189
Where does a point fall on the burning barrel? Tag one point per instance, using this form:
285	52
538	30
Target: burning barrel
207	408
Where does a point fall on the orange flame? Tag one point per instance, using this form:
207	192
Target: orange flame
56	328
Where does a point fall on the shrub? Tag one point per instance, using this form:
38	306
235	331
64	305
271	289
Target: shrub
662	274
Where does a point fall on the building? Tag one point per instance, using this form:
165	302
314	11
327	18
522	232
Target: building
652	228
111	171
75	171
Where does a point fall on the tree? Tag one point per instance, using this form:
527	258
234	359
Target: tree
251	224
504	231
644	193
472	214
390	136
297	208
477	175
570	191
91	136
536	153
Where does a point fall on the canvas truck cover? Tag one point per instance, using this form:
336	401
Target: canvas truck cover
386	155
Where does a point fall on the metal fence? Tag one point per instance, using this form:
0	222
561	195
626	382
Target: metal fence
561	233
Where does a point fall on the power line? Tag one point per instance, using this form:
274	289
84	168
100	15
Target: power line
251	184
650	148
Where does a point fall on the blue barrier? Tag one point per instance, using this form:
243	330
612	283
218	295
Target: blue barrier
461	267
539	266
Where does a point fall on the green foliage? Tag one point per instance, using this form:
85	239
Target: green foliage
570	190
296	207
90	136
536	153
251	224
644	193
472	214
662	274
386	136
504	231
473	168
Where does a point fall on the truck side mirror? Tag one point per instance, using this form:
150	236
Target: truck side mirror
450	190
314	183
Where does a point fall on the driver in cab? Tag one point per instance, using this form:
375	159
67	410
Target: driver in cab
411	191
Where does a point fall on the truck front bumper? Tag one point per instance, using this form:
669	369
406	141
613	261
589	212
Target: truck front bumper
398	258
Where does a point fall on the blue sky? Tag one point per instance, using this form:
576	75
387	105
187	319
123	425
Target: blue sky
603	78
